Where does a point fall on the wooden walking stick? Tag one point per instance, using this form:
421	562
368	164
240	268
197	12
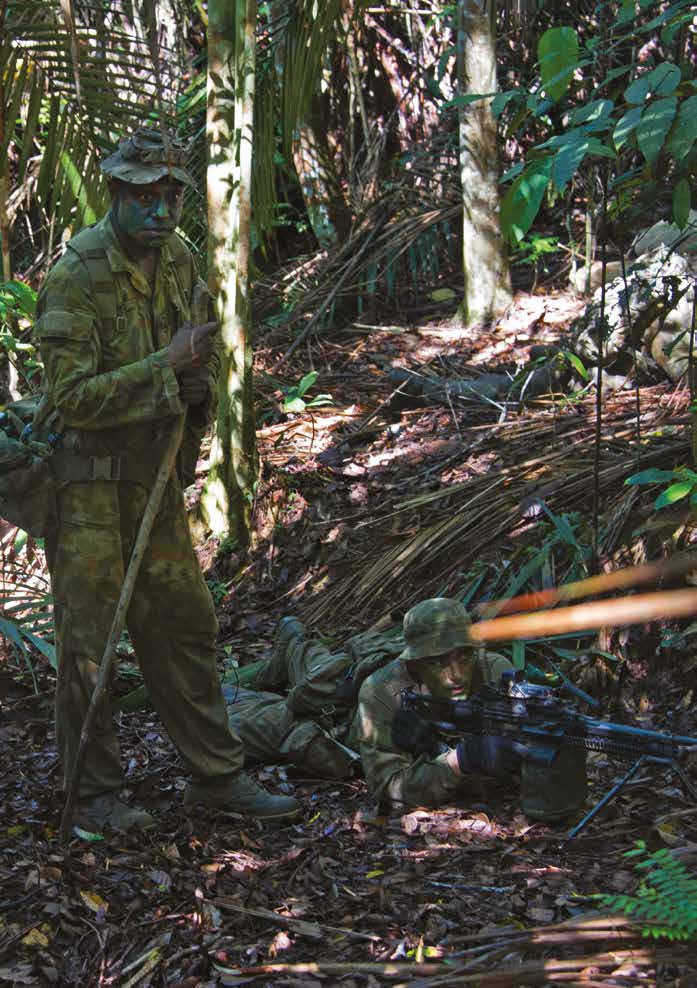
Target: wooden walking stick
105	666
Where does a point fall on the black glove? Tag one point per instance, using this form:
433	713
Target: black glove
489	755
193	386
410	733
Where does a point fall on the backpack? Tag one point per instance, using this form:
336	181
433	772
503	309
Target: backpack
27	487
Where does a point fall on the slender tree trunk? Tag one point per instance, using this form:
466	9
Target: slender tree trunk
487	278
227	498
8	374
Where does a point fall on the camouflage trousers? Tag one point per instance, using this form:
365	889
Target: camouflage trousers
314	675
171	621
272	735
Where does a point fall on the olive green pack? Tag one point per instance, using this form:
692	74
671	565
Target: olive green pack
27	490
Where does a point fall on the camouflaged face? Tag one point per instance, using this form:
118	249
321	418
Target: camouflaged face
434	627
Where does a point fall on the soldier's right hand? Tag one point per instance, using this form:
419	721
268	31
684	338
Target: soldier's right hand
489	755
192	346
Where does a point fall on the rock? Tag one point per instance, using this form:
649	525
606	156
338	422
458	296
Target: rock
661	291
668	234
613	269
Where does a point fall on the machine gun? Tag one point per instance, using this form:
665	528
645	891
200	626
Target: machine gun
542	724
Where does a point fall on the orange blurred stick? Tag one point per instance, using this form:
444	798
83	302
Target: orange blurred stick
614	613
633	576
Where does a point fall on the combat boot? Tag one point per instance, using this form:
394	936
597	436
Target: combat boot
274	676
110	812
243	795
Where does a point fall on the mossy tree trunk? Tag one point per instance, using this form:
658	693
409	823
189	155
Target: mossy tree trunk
486	274
228	494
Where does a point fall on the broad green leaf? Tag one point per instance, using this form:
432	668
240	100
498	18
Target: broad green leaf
626	126
522	202
684	130
566	163
626	12
501	101
307	381
676	492
512	172
652	476
616	73
682	197
661	81
294	405
654	125
557	53
46	648
466	99
597	109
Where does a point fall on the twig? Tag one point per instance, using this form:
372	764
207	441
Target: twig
104	673
302	926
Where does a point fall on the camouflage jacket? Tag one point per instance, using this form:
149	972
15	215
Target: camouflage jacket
396	777
103	333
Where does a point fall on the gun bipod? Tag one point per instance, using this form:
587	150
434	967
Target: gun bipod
610	795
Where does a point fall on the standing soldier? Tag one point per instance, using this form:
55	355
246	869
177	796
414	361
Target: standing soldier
126	333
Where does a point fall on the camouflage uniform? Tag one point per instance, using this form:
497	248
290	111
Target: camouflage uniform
272	734
396	778
103	332
314	676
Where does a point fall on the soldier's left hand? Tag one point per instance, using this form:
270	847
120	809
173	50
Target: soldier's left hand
193	387
412	734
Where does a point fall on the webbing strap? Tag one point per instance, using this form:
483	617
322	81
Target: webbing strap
69	467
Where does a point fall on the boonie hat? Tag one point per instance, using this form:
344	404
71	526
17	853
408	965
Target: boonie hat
434	627
146	157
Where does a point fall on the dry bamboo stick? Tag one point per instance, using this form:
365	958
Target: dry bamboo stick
532	972
614	613
632	576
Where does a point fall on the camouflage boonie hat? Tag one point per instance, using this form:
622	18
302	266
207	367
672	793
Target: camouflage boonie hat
143	158
434	627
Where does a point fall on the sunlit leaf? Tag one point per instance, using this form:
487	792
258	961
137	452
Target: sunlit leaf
522	201
652	476
654	125
676	492
661	81
557	53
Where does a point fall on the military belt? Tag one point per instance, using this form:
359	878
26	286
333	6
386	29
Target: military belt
74	468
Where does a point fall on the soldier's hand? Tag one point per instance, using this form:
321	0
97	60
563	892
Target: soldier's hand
192	346
412	734
193	386
489	756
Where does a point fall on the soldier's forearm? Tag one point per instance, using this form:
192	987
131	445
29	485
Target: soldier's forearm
142	391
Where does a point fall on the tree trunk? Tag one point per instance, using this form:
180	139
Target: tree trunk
485	263
227	497
9	385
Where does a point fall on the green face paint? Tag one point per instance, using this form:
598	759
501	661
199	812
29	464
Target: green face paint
446	675
149	214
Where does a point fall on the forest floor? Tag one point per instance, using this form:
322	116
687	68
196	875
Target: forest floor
475	894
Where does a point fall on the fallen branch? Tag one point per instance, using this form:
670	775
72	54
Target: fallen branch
301	926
